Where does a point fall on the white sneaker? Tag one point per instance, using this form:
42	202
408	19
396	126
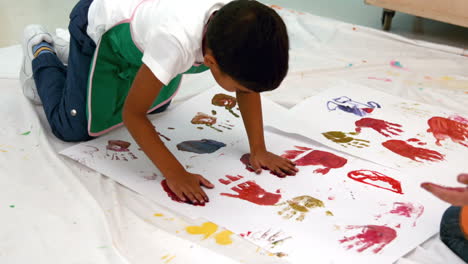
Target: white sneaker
32	35
62	44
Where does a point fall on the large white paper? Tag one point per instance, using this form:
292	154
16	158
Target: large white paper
362	122
337	208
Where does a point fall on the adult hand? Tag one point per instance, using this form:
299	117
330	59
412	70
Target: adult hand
457	196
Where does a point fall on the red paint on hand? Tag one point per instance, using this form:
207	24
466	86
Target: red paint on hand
252	192
174	197
370	236
408	151
322	158
444	128
376	179
383	127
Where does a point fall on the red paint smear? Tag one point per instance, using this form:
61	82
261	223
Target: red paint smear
417	141
331	198
323	158
166	138
245	159
380	79
383	127
234	178
458	118
252	192
302	148
231	179
407	209
225	182
368	110
292	154
406	150
174	197
118	145
278	191
444	128
371	235
377	177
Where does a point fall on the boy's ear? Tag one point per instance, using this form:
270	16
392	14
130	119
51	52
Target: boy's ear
209	60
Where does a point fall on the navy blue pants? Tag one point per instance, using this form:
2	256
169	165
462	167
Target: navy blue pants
63	89
451	233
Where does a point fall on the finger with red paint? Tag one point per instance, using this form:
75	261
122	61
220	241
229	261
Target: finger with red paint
457	196
255	165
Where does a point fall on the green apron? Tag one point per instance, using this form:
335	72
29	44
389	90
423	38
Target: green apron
115	64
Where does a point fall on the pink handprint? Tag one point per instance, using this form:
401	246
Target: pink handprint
252	192
369	236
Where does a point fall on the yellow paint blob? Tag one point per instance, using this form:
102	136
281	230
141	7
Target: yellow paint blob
206	229
169	259
224	237
447	78
328	213
158	215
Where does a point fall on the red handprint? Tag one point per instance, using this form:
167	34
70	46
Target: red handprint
252	192
444	128
383	127
404	149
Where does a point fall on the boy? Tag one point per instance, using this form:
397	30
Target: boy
126	58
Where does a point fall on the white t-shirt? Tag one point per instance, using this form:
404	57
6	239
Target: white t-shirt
168	32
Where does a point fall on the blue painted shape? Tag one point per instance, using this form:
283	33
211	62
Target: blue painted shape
347	105
204	146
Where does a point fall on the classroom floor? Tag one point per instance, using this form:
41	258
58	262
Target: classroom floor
14	15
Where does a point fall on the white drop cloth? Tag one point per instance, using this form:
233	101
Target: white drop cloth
53	210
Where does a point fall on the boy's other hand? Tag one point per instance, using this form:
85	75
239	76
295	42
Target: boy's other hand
279	166
187	185
457	196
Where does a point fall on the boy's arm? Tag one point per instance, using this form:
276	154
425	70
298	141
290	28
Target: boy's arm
144	90
250	106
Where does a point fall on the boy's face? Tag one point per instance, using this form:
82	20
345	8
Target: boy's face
224	80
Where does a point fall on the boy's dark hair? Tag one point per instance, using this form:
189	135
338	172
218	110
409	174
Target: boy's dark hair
250	43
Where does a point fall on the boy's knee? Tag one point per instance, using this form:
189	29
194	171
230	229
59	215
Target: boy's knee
72	135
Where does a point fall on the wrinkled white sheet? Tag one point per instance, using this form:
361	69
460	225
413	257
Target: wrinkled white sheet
53	210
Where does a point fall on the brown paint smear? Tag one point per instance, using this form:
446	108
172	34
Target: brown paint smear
346	139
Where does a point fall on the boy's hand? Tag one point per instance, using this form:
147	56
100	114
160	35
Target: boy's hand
187	185
280	166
